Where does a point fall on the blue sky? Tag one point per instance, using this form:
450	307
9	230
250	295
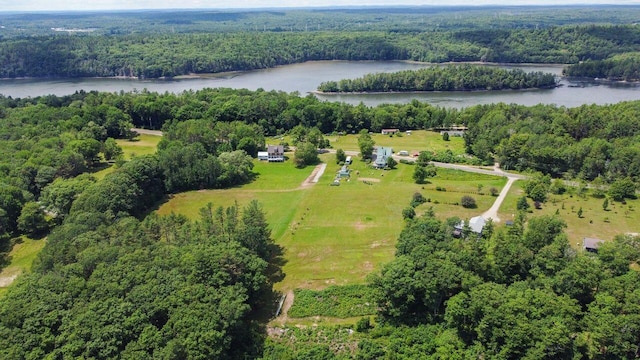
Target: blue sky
40	5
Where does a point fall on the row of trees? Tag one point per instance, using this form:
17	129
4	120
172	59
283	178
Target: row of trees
167	55
443	78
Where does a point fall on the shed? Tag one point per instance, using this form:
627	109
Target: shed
389	131
344	172
591	244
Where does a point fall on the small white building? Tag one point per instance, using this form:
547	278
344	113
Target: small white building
389	131
263	155
476	224
348	160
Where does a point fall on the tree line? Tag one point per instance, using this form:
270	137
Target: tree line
395	19
443	78
152	55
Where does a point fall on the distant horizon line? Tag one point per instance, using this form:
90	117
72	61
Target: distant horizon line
330	7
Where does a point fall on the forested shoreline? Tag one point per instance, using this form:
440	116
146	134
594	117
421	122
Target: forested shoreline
169	55
443	78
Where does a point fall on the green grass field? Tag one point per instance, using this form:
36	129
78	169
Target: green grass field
595	221
20	258
419	140
143	145
339	234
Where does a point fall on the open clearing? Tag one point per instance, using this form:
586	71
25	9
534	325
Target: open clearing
19	259
144	144
339	234
595	222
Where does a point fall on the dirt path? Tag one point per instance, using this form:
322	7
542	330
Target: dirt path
314	177
284	312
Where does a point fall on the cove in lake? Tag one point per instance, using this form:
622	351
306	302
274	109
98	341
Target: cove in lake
305	78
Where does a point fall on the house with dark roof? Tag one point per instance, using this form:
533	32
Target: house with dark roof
275	153
591	244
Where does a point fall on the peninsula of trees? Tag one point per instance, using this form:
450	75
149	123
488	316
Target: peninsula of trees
623	67
444	78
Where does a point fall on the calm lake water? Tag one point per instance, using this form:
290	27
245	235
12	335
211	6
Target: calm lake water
305	78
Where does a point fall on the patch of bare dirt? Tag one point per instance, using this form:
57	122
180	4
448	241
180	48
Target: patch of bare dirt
361	226
6	280
369	179
314	176
284	314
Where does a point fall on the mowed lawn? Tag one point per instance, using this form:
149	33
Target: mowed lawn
339	234
595	221
143	144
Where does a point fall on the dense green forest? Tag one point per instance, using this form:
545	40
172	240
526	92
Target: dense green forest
444	78
392	19
619	67
167	55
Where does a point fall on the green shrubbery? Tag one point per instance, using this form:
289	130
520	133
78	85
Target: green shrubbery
335	301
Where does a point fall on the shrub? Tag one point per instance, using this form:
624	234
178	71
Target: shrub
408	213
363	325
523	204
335	301
417	199
468	202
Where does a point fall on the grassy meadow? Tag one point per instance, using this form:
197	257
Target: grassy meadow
19	259
143	144
416	142
340	234
595	221
337	235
